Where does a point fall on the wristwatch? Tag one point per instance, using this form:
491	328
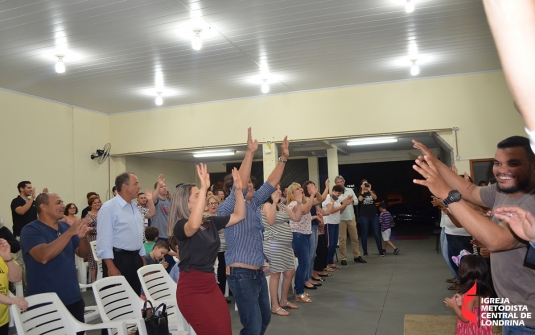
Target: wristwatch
453	196
282	160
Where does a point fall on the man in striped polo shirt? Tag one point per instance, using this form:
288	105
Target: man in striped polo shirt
245	255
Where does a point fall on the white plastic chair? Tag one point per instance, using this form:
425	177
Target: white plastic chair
91	312
47	314
81	267
159	287
117	301
98	260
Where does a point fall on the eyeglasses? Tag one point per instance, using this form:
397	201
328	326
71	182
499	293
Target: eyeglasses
212	203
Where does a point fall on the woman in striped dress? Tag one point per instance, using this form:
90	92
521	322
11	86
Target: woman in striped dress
278	249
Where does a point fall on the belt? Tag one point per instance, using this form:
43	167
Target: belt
129	252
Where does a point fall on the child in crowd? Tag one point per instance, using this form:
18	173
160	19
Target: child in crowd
475	283
386	222
151	234
175	271
156	256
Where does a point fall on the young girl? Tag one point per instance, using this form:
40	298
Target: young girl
472	270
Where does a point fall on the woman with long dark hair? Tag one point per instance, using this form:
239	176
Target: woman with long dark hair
199	298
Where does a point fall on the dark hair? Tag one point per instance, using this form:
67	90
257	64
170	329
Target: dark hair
217	190
228	182
172	243
155	184
305	187
92	199
482	183
338	188
42	199
360	184
123	178
90	194
382	205
516	142
22	184
471	269
140	193
492	180
151	233
66	212
113	189
162	245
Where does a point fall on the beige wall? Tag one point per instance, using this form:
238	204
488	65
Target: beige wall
50	144
147	170
479	104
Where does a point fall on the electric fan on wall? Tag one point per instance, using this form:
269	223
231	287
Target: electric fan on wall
103	154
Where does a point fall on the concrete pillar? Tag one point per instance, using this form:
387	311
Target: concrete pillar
313	171
270	158
332	164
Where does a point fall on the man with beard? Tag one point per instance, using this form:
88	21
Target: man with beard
145	206
514	169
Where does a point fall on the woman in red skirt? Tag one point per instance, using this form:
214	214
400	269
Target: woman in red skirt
198	296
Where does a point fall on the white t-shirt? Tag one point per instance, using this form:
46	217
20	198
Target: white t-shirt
334	218
451	228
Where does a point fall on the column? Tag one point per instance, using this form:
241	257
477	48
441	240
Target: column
270	158
313	172
332	164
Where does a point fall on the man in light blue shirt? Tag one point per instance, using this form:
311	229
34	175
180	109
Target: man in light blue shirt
120	232
245	254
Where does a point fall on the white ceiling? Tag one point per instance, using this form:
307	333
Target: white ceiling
301	149
115	47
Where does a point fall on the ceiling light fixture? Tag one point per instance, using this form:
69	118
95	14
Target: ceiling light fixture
372	140
415	70
409	6
265	86
159	99
60	66
196	40
213	153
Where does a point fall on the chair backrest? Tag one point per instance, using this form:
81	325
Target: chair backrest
159	287
116	300
98	260
45	314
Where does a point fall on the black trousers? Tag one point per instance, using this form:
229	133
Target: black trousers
320	262
221	271
77	310
127	264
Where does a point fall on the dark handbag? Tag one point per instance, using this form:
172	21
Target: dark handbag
156	323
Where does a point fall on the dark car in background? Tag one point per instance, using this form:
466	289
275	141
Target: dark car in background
417	213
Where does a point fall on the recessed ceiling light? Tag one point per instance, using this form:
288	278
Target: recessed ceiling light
159	99
409	6
372	140
60	66
212	153
415	70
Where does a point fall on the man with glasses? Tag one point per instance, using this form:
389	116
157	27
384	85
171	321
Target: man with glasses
348	224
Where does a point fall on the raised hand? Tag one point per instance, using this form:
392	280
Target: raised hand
238	184
252	146
81	228
312	189
148	194
299	196
204	176
45	190
521	222
437	202
433	180
327	185
429	156
276	196
161	181
5	249
285	148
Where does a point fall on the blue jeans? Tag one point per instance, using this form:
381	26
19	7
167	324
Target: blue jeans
301	246
332	231
444	249
312	253
365	223
250	291
518	330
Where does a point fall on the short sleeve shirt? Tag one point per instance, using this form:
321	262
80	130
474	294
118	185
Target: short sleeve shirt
333	218
19	221
159	220
511	278
57	275
367	205
199	251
